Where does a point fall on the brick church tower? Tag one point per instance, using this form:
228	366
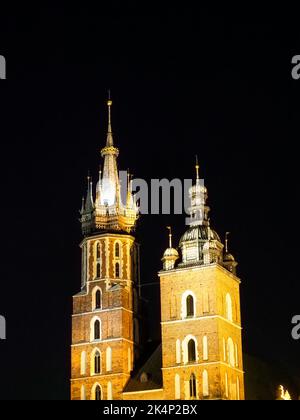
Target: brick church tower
105	322
200	313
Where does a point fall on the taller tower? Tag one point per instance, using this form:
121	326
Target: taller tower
200	313
105	322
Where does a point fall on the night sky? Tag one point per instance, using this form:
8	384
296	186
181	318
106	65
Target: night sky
183	82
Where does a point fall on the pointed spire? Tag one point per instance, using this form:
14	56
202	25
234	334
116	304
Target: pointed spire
129	201
89	203
109	141
226	242
197	168
170	236
82	206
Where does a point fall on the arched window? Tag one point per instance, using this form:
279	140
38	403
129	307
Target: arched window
83	363
229	307
108	359
230	352
190	306
191	350
117	270
98	393
117	250
98	251
205	384
205	348
97	363
177	387
193	385
98	299
97	330
98	270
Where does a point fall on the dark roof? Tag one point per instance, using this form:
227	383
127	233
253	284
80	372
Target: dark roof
199	232
152	367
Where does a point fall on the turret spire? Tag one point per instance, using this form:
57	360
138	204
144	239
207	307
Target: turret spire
89	202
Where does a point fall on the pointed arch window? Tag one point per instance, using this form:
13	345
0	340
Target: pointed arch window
97	330
191	350
98	393
193	391
97	363
117	270
190	306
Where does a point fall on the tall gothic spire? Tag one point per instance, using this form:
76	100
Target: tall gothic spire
108	212
110	181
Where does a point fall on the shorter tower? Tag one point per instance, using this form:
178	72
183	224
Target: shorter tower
200	313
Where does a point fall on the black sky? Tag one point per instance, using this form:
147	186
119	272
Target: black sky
182	82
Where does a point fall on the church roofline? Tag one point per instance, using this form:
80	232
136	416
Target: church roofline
164	273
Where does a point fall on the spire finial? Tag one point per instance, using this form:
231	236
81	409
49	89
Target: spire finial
197	168
170	236
109	104
226	241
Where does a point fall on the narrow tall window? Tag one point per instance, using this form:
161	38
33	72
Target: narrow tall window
97	363
117	250
98	252
98	393
193	391
83	363
191	351
109	391
82	393
98	300
108	359
98	271
190	306
97	330
205	384
117	270
177	387
229	307
230	352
